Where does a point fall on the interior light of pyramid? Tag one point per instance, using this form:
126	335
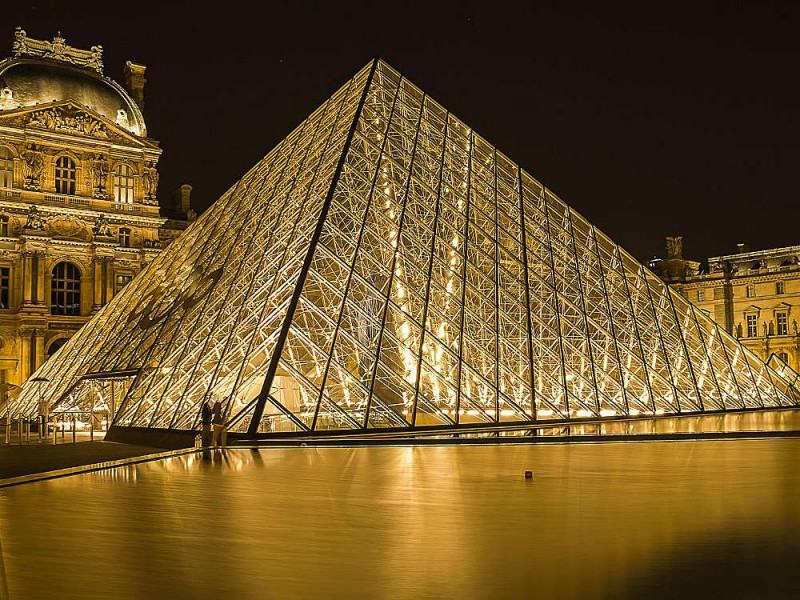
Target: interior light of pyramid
386	267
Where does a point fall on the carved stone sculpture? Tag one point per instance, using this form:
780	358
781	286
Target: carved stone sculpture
101	228
100	172
57	50
150	181
68	119
674	247
33	168
68	227
34	220
20	45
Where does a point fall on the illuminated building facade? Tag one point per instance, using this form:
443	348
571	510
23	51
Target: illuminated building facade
755	296
78	211
384	268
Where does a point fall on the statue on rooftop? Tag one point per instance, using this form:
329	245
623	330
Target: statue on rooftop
675	247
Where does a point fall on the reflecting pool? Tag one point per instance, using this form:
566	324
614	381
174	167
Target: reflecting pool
612	520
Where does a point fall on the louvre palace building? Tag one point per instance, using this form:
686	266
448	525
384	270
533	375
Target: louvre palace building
79	216
754	295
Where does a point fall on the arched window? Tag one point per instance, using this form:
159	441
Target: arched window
124	237
65	295
55	346
65	175
123	184
6	168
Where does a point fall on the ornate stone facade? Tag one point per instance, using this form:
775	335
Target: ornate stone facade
79	215
754	295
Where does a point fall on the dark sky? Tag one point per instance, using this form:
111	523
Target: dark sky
649	121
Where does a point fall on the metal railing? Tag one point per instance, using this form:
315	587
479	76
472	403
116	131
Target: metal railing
21	429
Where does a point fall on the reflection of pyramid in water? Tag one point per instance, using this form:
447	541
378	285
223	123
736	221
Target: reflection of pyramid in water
385	267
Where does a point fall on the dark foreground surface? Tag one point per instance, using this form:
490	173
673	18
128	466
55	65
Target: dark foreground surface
36	458
701	519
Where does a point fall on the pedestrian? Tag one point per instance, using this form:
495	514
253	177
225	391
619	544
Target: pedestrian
205	423
219	425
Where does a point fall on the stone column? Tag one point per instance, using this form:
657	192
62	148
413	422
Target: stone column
24	355
27	280
98	283
109	279
38	336
40	277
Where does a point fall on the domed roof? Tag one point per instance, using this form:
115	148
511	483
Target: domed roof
27	82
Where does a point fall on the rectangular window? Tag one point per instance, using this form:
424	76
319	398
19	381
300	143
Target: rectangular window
779	287
66	174
123	184
122	281
5	286
750	291
782	320
752	326
701	295
6	168
4	229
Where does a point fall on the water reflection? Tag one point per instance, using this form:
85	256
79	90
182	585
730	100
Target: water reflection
655	519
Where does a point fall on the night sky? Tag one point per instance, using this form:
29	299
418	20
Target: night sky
651	122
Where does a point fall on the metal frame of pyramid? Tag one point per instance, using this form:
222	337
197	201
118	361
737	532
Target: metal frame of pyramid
384	268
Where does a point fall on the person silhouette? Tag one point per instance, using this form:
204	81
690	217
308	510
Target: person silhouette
219	426
205	424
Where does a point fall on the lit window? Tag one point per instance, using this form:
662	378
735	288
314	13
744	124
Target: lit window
125	237
4	222
779	287
782	320
123	184
701	295
6	168
121	281
4	286
65	175
752	326
65	295
750	291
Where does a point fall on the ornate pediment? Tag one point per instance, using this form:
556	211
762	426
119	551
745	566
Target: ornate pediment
67	117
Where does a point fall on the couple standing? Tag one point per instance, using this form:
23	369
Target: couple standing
213	417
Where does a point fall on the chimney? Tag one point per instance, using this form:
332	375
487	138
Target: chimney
134	82
741	248
182	199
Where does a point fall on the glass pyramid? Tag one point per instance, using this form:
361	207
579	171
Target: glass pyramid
386	267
